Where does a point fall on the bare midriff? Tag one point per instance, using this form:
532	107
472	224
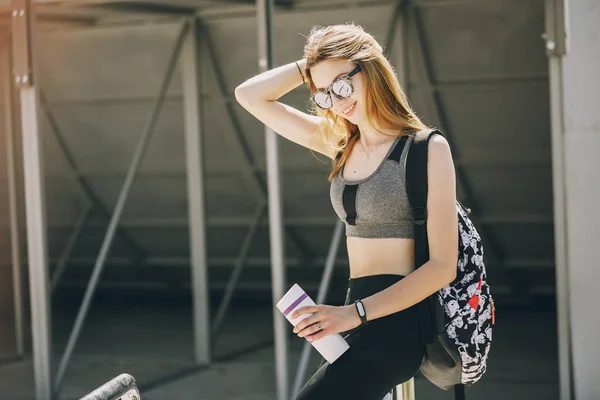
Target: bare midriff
380	256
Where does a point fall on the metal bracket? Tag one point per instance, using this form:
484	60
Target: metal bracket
22	36
557	30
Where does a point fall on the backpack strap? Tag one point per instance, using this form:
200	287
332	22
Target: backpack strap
431	315
416	188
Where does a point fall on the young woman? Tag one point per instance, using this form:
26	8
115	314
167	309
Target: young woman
364	123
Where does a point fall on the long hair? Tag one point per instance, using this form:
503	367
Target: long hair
386	103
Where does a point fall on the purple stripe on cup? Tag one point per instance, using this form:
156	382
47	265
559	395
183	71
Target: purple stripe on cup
294	304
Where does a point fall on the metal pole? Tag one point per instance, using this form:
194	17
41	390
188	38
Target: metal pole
25	72
556	46
37	243
321	297
392	31
404	50
264	13
407	389
196	191
237	270
560	230
116	216
61	265
15	240
238	145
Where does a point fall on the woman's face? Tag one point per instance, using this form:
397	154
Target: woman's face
352	108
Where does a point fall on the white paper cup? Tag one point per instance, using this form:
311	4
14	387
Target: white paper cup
331	347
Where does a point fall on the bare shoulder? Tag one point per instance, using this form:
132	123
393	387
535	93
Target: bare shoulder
439	150
440	164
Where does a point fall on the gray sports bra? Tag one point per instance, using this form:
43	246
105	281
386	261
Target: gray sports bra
376	206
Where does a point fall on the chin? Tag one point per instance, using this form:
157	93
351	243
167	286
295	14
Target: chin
356	119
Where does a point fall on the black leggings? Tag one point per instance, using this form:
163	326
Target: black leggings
383	354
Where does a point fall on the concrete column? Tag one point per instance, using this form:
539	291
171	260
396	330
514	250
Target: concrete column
8	339
580	72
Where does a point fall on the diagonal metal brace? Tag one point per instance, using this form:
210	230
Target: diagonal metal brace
238	143
439	110
122	198
237	270
137	252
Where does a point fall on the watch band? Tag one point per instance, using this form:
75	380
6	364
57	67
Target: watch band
360	308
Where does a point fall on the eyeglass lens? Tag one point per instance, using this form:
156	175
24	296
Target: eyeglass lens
341	88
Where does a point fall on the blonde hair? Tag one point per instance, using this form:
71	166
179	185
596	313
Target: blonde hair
386	103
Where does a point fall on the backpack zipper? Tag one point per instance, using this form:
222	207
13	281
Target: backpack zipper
465	209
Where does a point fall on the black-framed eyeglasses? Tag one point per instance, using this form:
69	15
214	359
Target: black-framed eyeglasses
341	88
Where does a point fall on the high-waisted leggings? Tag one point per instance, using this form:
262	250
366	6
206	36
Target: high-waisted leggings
383	354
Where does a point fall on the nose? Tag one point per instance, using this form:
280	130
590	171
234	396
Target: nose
340	104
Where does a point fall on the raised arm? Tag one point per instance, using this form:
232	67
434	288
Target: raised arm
259	96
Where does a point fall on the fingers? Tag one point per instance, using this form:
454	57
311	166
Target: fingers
313	325
304	310
320	334
310	330
313	319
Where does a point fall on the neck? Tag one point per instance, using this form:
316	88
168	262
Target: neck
370	137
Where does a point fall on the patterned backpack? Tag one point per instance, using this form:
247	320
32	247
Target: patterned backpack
456	321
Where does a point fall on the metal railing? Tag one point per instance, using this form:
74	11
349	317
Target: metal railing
123	387
405	391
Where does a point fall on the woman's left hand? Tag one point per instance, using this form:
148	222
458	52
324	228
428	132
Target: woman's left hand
325	320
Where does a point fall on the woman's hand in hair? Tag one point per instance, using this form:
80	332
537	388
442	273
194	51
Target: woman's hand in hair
325	320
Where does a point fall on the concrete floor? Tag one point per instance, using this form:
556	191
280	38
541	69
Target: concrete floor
151	339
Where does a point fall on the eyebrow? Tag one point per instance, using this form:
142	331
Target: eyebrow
333	80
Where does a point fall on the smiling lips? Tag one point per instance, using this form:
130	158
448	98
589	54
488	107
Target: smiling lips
348	111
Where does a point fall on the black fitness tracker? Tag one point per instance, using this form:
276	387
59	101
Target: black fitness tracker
360	308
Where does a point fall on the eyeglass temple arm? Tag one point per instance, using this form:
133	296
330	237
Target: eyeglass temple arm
354	71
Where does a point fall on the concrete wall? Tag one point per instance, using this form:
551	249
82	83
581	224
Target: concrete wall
581	88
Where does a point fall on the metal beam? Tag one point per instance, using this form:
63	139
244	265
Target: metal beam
37	243
237	142
298	8
25	69
455	3
264	22
304	222
61	265
304	251
334	246
401	16
137	252
494	83
122	198
403	52
557	36
237	270
438	110
83	263
13	201
481	159
392	32
196	190
152	8
262	287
